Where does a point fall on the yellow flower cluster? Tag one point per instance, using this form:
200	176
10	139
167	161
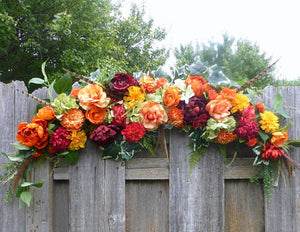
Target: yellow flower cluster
239	103
134	95
78	139
269	121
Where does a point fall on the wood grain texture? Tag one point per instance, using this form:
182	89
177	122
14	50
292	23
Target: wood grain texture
196	199
244	206
147	206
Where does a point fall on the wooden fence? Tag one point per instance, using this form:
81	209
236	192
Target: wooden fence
148	193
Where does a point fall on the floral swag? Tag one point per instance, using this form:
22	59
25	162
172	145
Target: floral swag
127	114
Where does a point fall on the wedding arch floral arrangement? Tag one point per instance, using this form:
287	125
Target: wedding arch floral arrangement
126	114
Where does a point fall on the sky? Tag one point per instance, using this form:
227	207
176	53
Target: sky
271	24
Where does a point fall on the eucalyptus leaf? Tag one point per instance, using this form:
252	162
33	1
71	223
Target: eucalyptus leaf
38	185
36	80
277	102
20	146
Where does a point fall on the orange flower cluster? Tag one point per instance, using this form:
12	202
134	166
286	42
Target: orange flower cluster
199	85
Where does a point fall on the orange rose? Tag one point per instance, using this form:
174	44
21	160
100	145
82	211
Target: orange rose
32	134
73	120
279	138
172	96
228	94
95	115
46	113
43	141
161	82
199	85
175	117
92	95
152	115
260	106
218	109
148	84
75	93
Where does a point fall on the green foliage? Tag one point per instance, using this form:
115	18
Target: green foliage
80	35
239	60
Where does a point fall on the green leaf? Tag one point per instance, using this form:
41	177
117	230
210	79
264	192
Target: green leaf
38	185
264	136
283	113
63	84
278	101
20	146
223	150
295	143
50	91
111	151
36	80
72	157
26	197
129	149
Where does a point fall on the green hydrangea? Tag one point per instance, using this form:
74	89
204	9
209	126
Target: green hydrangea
63	103
213	127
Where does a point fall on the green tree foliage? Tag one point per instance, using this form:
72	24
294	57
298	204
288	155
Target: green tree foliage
239	60
80	35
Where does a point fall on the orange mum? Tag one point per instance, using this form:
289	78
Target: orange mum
148	84
75	92
73	120
260	106
46	113
228	94
161	82
172	96
225	137
199	85
175	117
92	95
95	115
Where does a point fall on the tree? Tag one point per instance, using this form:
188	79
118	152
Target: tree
80	35
240	60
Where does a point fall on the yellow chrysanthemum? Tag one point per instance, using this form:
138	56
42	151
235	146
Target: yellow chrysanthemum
269	121
78	140
239	103
133	95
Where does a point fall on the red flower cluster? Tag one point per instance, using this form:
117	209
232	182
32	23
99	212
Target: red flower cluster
58	141
133	132
121	82
271	152
119	115
248	128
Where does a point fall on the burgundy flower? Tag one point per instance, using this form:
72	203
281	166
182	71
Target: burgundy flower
121	82
247	129
58	140
194	112
271	152
104	135
133	132
119	118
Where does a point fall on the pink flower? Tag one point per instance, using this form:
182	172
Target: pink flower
249	113
119	118
247	130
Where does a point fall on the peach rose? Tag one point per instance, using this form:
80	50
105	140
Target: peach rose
218	109
92	95
95	115
152	115
46	113
279	138
73	120
199	85
172	96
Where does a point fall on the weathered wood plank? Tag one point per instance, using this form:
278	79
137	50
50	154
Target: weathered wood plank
147	206
97	190
39	215
242	168
283	211
13	107
196	199
244	206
